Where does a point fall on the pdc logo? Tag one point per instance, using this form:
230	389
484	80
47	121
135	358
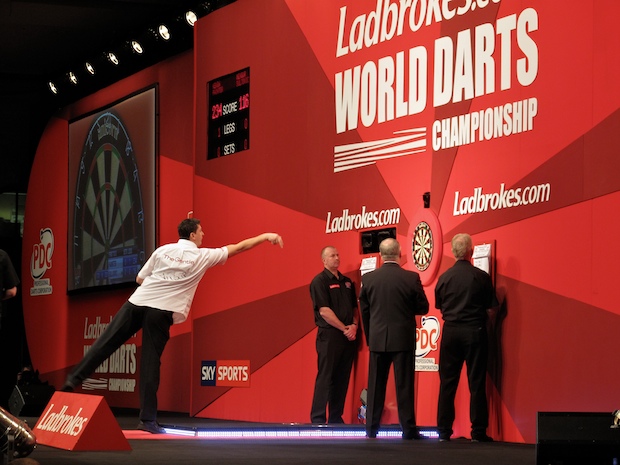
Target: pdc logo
41	259
427	336
232	373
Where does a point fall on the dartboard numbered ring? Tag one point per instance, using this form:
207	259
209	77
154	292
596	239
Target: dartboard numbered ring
422	246
426	244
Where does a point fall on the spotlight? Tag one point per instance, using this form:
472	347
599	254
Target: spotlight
136	47
164	32
52	87
72	78
191	18
90	68
112	58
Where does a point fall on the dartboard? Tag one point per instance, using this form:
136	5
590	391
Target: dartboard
108	223
422	246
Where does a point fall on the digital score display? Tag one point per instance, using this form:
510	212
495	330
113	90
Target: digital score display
229	118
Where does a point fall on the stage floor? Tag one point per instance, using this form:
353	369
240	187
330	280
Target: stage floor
247	443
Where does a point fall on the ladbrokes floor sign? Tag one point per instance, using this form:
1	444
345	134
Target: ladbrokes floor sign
76	421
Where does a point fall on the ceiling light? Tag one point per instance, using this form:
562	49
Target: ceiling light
73	78
136	47
89	68
52	87
164	32
191	17
112	58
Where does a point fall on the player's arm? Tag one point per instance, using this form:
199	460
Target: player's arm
147	269
247	244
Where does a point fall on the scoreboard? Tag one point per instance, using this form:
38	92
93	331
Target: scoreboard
229	119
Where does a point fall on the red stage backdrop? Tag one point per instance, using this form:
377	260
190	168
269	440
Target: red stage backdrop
322	120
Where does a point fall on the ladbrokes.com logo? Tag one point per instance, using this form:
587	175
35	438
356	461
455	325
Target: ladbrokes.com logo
232	373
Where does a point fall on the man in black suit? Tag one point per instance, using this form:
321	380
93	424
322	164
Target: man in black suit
390	299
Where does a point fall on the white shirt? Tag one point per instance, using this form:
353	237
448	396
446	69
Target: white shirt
171	276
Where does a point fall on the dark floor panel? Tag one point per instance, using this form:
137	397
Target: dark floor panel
292	452
295	451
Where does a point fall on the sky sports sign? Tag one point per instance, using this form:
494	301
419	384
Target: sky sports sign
230	373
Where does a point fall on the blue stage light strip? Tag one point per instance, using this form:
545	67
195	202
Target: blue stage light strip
292	432
180	432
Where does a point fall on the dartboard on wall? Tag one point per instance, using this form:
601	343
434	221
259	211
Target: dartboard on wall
426	244
108	223
422	246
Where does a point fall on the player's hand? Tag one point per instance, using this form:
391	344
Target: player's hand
275	239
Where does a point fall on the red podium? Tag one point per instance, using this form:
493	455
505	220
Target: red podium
79	422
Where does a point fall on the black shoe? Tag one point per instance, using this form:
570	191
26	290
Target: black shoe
371	434
151	427
481	438
337	421
444	438
414	435
67	388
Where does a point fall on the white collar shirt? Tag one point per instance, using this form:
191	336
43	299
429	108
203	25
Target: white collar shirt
172	274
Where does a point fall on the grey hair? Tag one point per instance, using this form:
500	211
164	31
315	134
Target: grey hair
461	245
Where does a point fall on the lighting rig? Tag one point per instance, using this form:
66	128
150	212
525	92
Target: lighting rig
159	41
